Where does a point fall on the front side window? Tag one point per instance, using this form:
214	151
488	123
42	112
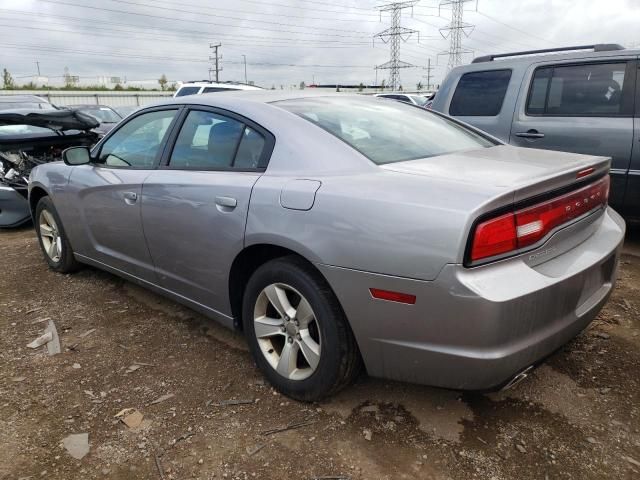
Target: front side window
208	141
386	132
480	94
578	90
138	142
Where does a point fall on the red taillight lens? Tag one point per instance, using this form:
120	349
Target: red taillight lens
527	226
494	237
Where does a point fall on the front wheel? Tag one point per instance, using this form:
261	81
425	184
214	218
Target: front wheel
52	238
297	332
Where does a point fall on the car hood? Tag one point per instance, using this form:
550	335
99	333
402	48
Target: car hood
59	120
525	171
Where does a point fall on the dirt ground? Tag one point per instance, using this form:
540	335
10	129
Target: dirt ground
577	417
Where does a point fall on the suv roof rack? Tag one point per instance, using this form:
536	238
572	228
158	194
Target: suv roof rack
600	47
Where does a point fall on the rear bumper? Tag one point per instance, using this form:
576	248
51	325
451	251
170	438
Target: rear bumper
14	208
476	328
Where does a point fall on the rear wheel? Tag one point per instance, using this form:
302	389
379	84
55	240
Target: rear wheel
52	238
297	332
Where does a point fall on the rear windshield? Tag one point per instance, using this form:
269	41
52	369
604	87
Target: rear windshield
383	131
187	91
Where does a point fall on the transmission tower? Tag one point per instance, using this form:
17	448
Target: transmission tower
456	29
215	67
393	36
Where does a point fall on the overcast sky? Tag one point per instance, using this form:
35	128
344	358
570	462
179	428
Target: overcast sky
285	41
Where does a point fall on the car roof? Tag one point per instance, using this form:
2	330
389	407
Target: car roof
230	85
257	96
523	58
88	105
22	99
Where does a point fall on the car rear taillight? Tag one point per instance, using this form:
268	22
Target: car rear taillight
527	226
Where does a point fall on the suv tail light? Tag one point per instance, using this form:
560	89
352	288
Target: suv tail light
527	226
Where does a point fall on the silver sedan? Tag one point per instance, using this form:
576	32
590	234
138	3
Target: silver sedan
340	231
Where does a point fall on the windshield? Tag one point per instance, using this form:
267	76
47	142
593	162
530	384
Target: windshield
11	130
384	131
26	106
102	114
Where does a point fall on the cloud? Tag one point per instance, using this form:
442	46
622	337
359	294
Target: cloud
285	41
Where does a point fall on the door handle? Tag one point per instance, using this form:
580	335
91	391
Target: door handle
130	198
530	134
228	202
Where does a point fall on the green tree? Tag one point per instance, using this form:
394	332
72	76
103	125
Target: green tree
302	85
361	87
163	82
382	84
118	87
419	86
7	79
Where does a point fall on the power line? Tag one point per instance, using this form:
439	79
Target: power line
393	35
173	19
201	13
512	27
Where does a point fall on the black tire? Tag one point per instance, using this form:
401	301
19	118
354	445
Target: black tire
340	360
66	263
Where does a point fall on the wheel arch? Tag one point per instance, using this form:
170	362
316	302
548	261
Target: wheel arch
35	194
247	262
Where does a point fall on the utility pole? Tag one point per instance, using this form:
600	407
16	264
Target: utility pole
245	69
428	76
456	29
38	65
216	59
393	36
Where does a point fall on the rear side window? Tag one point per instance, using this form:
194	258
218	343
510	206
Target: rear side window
480	94
187	91
579	90
209	141
216	89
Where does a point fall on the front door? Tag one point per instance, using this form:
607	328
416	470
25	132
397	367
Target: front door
194	208
581	108
107	194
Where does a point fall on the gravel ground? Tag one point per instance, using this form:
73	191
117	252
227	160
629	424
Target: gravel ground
578	416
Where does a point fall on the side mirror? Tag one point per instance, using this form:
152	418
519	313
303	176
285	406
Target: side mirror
76	156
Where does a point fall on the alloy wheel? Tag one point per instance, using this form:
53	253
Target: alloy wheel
287	331
50	236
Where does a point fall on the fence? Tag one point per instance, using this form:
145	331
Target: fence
109	98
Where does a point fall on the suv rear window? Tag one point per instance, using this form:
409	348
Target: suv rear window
480	94
578	90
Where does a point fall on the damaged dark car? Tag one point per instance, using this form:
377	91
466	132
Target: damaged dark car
30	138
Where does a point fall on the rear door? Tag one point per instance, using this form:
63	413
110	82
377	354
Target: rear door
584	107
194	207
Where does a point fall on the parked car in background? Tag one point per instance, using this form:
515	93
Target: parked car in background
127	110
575	99
28	102
106	116
205	86
413	99
338	229
28	139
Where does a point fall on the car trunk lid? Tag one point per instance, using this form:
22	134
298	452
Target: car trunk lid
515	180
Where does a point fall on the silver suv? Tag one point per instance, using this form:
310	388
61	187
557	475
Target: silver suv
575	99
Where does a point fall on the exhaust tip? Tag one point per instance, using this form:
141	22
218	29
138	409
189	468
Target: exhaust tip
517	378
